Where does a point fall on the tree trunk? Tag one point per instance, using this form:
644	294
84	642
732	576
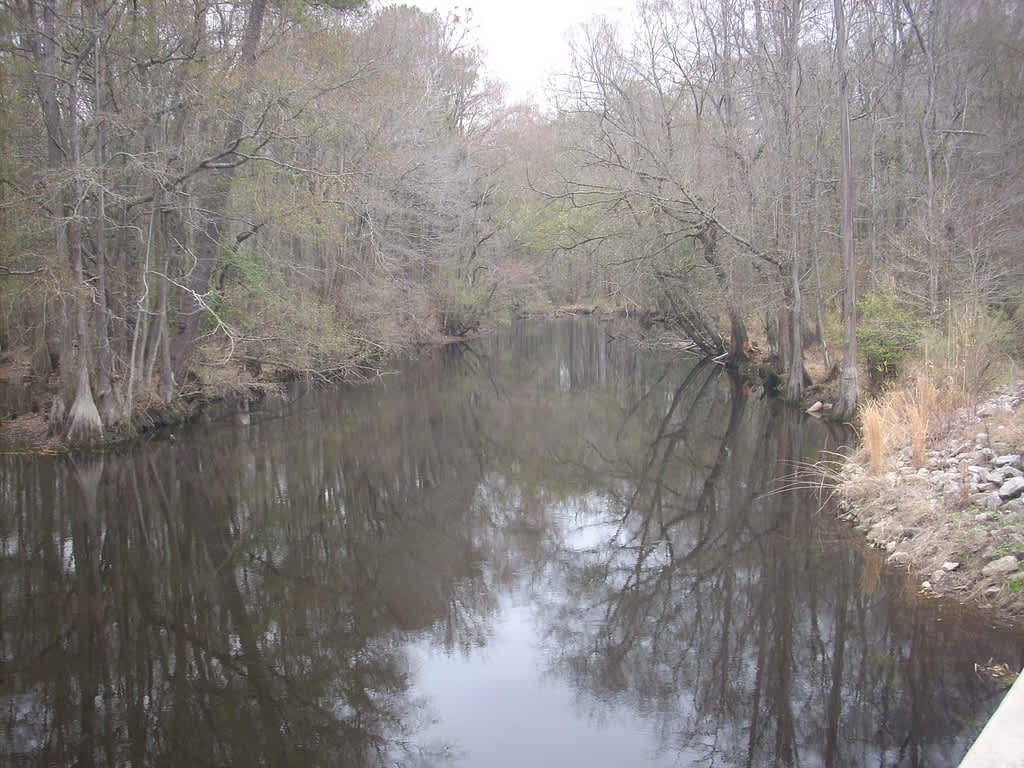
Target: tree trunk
795	378
739	342
207	251
925	126
44	47
849	384
107	399
816	239
215	206
695	323
84	424
783	334
795	381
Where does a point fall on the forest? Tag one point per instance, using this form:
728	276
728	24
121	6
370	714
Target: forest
196	193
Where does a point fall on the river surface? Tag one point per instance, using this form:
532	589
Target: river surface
546	547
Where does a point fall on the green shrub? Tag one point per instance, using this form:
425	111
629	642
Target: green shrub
886	334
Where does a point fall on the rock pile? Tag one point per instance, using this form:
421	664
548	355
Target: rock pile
978	475
958	521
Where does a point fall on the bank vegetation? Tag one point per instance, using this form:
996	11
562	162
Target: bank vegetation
209	196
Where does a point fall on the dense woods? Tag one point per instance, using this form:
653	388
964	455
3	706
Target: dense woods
195	191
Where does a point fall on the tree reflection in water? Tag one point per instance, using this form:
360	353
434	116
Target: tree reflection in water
193	604
249	594
726	608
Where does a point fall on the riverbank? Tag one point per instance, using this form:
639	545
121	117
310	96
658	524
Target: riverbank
31	432
238	384
217	382
950	515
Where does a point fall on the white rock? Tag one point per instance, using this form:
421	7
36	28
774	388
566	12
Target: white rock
949	565
878	533
899	558
1015	507
1003	565
997	476
989	501
1012	488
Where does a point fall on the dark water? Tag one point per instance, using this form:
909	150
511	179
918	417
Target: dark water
545	548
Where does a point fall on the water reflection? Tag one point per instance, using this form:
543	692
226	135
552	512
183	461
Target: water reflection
546	547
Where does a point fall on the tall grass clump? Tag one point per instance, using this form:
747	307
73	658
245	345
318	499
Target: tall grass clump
873	420
970	353
927	395
895	420
960	361
917	425
921	404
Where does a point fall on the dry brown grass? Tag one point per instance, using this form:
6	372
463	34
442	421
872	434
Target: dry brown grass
899	419
927	395
920	405
875	418
917	425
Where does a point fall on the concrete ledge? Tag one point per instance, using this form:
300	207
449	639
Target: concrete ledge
1001	742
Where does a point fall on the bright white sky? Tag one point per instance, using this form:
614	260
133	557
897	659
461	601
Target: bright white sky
526	40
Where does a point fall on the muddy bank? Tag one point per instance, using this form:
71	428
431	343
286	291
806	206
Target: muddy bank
31	432
954	521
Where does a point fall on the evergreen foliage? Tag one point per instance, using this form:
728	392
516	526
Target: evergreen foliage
887	334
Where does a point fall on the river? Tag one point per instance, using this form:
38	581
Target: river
545	547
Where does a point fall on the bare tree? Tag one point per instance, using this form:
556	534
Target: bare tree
849	385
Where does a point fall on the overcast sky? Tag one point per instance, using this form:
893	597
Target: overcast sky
525	40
